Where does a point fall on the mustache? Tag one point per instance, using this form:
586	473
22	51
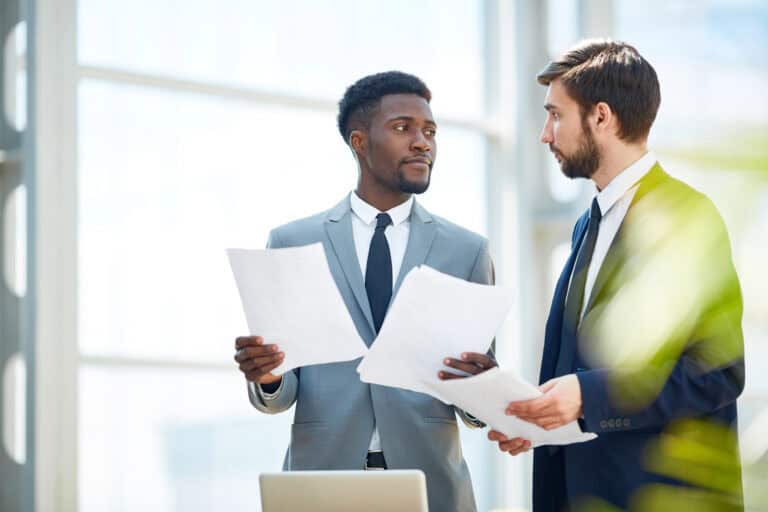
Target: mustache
418	158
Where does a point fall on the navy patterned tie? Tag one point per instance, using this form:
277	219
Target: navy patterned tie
378	272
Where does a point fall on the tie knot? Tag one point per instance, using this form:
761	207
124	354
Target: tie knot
594	211
383	220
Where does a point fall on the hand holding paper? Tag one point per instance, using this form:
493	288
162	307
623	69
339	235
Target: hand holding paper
487	397
290	299
433	315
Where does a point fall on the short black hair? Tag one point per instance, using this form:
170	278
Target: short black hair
362	98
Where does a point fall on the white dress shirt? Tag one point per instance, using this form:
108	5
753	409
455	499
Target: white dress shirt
614	201
363	227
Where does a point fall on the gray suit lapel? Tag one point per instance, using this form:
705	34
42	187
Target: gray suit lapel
422	234
338	226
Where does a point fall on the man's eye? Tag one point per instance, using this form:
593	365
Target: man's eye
400	127
430	132
555	116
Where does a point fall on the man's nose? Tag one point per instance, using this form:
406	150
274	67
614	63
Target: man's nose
420	143
546	135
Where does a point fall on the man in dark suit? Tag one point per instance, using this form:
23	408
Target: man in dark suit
643	344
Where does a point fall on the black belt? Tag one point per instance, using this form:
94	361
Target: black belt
375	460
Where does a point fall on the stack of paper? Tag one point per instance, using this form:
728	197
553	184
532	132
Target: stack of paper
290	299
486	397
434	316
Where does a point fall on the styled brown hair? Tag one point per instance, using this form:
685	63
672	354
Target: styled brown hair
613	72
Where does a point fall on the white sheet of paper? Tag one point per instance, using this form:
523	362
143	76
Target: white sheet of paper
433	316
487	395
290	298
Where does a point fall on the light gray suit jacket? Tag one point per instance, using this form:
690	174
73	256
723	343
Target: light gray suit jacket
335	411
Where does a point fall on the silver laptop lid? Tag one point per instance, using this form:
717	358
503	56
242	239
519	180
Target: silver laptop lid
344	491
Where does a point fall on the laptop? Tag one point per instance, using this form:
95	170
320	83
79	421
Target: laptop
344	491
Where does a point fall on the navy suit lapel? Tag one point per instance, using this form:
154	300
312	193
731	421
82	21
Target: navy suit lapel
615	257
422	234
338	226
553	342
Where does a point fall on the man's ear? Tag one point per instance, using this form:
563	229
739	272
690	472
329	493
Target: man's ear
358	141
604	117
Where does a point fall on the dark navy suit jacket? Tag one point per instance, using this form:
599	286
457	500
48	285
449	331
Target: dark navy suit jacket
698	378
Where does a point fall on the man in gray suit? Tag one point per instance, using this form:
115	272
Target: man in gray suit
372	239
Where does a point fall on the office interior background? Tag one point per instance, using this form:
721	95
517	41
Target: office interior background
151	135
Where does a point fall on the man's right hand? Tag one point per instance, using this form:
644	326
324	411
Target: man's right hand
514	446
257	360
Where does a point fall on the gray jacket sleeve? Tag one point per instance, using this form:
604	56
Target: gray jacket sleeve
285	396
482	273
280	401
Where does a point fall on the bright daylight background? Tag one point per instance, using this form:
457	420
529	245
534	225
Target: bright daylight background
203	124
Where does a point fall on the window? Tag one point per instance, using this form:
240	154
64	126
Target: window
200	129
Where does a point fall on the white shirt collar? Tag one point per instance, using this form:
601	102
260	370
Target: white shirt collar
367	213
624	181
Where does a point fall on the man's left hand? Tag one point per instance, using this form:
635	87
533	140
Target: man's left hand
470	362
559	405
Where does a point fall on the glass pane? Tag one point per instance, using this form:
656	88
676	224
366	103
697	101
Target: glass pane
563	189
458	188
161	440
713	78
173	440
563	19
168	181
557	259
302	47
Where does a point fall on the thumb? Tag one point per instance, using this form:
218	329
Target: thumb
548	385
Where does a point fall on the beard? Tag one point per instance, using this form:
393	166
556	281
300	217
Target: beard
412	187
583	163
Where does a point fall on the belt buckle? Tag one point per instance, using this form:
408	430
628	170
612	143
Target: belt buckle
365	462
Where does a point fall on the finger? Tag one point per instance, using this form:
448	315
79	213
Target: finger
551	424
548	385
529	407
255	375
524	448
260	362
470	368
512	444
246	353
246	341
516	443
449	376
481	360
545	421
550	410
495	435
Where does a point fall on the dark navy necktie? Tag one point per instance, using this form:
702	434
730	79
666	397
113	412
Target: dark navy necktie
575	301
378	272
